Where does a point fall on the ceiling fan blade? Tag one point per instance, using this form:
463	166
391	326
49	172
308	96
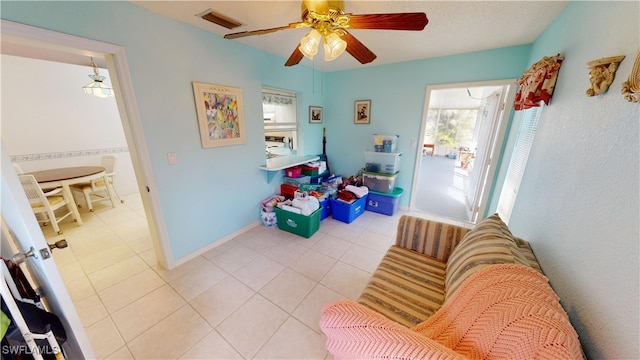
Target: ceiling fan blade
397	21
318	6
357	49
266	31
295	58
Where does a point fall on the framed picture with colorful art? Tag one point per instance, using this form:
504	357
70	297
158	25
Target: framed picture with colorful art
220	114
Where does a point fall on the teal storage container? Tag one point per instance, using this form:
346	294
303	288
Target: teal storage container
298	224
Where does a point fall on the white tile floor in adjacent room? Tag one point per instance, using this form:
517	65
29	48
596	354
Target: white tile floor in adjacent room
257	296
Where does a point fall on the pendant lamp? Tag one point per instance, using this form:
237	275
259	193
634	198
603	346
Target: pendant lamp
97	87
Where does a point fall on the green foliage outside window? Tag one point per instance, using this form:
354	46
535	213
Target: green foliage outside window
450	127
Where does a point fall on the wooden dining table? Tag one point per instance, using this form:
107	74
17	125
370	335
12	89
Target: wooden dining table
65	177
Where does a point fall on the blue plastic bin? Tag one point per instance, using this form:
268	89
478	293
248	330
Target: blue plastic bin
344	212
386	204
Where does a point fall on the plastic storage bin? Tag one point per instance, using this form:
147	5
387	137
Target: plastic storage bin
293	172
381	162
386	204
288	190
298	224
297	180
325	206
385	143
317	179
310	170
383	183
344	212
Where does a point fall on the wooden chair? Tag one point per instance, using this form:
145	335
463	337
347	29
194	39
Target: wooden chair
46	203
96	190
428	148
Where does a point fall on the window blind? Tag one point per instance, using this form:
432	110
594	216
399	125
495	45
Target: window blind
518	163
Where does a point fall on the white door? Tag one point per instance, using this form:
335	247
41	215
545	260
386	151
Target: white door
488	118
20	219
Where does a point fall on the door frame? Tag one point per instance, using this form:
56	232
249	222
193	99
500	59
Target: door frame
496	142
47	41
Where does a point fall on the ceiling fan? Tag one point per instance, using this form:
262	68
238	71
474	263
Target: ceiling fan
328	19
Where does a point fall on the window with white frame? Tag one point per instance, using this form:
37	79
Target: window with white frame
518	163
280	109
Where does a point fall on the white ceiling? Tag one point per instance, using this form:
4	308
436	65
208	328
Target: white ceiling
454	27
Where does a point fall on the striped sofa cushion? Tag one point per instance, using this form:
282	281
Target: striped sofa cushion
407	287
428	237
489	242
527	251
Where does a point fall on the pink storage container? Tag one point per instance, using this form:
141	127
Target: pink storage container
293	172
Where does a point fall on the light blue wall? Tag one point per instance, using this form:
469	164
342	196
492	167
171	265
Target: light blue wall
579	200
210	192
397	93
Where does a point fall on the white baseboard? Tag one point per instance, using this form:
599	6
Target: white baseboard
213	245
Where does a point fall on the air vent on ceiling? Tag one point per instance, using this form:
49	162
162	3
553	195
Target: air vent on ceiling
219	19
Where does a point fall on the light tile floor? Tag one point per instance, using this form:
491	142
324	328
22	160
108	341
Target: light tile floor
257	296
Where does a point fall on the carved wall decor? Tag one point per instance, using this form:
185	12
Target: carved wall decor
601	74
631	87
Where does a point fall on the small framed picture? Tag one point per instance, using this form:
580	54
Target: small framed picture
362	112
315	114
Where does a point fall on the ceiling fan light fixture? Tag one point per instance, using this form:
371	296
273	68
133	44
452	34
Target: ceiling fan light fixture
309	44
97	87
334	46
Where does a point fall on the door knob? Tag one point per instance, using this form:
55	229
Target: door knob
21	257
60	244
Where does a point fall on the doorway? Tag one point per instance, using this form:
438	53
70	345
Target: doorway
28	41
460	138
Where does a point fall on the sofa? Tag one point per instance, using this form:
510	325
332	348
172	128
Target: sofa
448	292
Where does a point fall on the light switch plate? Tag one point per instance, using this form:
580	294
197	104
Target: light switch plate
172	158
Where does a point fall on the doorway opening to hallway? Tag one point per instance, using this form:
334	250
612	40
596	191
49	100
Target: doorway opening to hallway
461	132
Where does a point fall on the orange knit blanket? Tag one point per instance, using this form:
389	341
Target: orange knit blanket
504	311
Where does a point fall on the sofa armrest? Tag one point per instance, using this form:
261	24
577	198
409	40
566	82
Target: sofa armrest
356	332
428	237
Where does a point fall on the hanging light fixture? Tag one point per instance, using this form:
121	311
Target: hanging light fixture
333	46
97	87
309	44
